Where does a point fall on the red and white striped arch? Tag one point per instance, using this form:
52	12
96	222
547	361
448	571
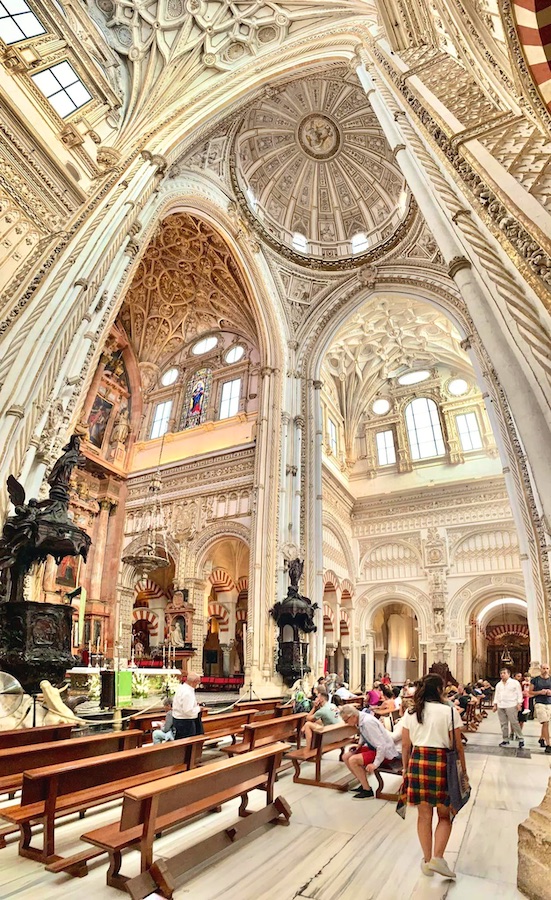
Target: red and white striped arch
242	584
330	581
533	23
146	615
496	633
149	590
221	581
328	619
344	623
217	611
347	589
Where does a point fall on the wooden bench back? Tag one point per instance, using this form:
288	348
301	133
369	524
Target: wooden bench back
284	711
80	775
200	789
143	720
233	720
268	732
263	706
37	755
22	737
333	734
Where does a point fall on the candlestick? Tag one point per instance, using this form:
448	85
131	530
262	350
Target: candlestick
90	648
105	648
97	645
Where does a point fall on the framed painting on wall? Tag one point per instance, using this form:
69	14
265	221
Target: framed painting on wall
98	419
67	572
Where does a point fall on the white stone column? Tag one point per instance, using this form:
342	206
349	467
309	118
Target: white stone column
532	423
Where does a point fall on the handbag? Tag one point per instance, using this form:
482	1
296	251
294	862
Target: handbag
459	788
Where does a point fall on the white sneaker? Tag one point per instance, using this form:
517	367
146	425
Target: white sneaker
425	869
439	864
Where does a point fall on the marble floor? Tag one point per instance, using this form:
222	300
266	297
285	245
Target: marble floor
335	848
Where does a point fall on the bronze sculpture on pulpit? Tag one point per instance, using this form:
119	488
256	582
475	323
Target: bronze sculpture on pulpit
294	615
35	638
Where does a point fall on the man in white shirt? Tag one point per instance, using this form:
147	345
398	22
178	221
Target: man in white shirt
508	703
186	712
375	746
343	692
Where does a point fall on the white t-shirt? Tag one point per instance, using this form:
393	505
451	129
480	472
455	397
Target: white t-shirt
437	723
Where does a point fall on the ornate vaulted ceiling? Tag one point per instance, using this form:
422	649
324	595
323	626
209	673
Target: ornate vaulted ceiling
311	159
173	49
187	283
383	339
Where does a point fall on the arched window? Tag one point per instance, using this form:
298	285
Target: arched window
424	430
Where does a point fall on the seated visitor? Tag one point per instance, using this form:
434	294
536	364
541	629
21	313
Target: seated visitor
375	746
301	703
165	731
386	679
388	706
343	692
374	696
461	700
323	713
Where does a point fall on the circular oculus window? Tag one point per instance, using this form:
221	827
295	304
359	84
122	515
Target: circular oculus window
234	354
204	346
414	377
380	407
457	387
169	377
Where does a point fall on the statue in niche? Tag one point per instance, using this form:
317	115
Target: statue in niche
439	620
121	429
178	632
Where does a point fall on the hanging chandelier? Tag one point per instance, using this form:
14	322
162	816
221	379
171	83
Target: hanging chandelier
154	552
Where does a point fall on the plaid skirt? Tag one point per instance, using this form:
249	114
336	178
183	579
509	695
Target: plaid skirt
425	780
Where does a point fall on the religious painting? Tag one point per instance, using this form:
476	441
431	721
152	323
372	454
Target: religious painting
196	399
67	572
98	419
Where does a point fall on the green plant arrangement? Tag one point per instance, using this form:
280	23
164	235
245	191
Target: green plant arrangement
140	687
94	687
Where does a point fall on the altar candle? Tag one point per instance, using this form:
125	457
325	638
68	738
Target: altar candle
105	648
97	645
164	656
90	648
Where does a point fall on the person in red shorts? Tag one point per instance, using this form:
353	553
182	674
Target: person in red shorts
374	747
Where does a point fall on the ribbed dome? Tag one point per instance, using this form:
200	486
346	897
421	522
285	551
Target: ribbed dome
312	161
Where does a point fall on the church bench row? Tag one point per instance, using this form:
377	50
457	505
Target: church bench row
22	737
13	764
258	734
216	726
76	786
332	737
150	809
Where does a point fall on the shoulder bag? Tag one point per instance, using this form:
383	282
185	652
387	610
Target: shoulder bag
459	788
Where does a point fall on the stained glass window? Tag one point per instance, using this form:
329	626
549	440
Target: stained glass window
196	399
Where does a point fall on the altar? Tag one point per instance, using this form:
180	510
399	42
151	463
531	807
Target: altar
132	682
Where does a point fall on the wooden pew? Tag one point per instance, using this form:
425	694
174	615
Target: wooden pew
269	731
76	786
143	721
150	809
284	711
22	737
333	737
227	724
13	764
391	768
263	707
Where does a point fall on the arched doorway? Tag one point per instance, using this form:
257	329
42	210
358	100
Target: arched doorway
396	642
500	637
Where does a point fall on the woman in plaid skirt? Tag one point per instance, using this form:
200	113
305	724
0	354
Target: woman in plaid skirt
426	738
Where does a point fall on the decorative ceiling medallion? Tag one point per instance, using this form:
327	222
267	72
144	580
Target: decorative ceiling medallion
319	137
